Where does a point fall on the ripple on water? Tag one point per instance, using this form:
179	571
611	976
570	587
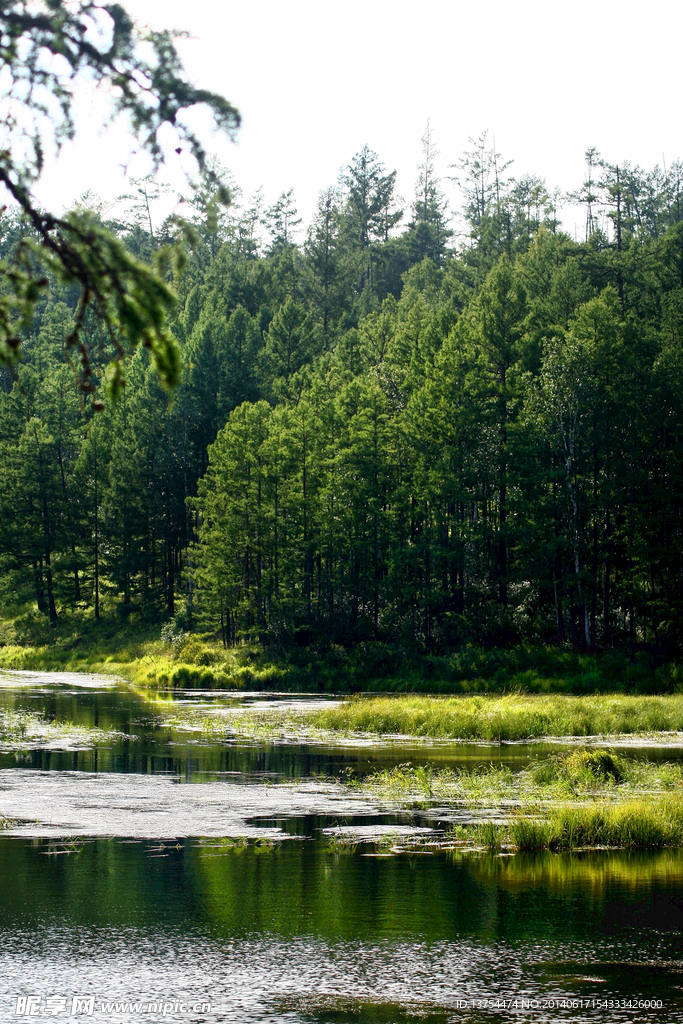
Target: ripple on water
302	979
55	803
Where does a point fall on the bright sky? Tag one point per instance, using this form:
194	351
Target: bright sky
316	80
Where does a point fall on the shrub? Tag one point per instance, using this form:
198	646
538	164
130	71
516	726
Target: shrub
173	636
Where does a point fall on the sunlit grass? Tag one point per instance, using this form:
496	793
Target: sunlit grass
512	717
128	643
643	824
487	719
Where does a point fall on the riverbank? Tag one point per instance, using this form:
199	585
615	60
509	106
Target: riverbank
185	660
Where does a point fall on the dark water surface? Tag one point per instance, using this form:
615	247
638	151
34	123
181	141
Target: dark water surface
285	927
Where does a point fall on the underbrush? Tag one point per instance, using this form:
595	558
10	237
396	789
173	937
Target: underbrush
171	655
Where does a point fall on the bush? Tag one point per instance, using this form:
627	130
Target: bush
173	636
194	652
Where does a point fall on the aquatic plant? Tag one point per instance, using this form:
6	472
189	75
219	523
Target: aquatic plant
490	834
642	824
580	771
20	727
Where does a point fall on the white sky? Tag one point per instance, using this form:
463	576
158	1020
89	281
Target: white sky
316	80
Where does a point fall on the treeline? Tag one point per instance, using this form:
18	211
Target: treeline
379	434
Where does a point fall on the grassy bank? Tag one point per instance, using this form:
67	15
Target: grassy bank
134	649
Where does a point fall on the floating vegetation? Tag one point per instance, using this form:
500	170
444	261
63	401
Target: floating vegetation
64	847
218	847
24	728
262	724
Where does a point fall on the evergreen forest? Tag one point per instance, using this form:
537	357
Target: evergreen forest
383	429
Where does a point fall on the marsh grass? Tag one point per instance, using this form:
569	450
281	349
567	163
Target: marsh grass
635	824
642	824
487	719
581	772
489	834
511	717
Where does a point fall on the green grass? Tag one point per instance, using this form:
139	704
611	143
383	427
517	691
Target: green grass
655	823
457	719
134	651
644	824
511	717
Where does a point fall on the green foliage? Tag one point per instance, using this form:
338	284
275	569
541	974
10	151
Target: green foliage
637	824
48	49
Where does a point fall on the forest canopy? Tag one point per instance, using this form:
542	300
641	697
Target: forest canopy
382	430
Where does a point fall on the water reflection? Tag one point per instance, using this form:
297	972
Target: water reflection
295	933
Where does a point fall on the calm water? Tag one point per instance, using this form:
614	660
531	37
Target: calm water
117	885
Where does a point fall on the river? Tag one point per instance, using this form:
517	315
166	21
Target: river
151	875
